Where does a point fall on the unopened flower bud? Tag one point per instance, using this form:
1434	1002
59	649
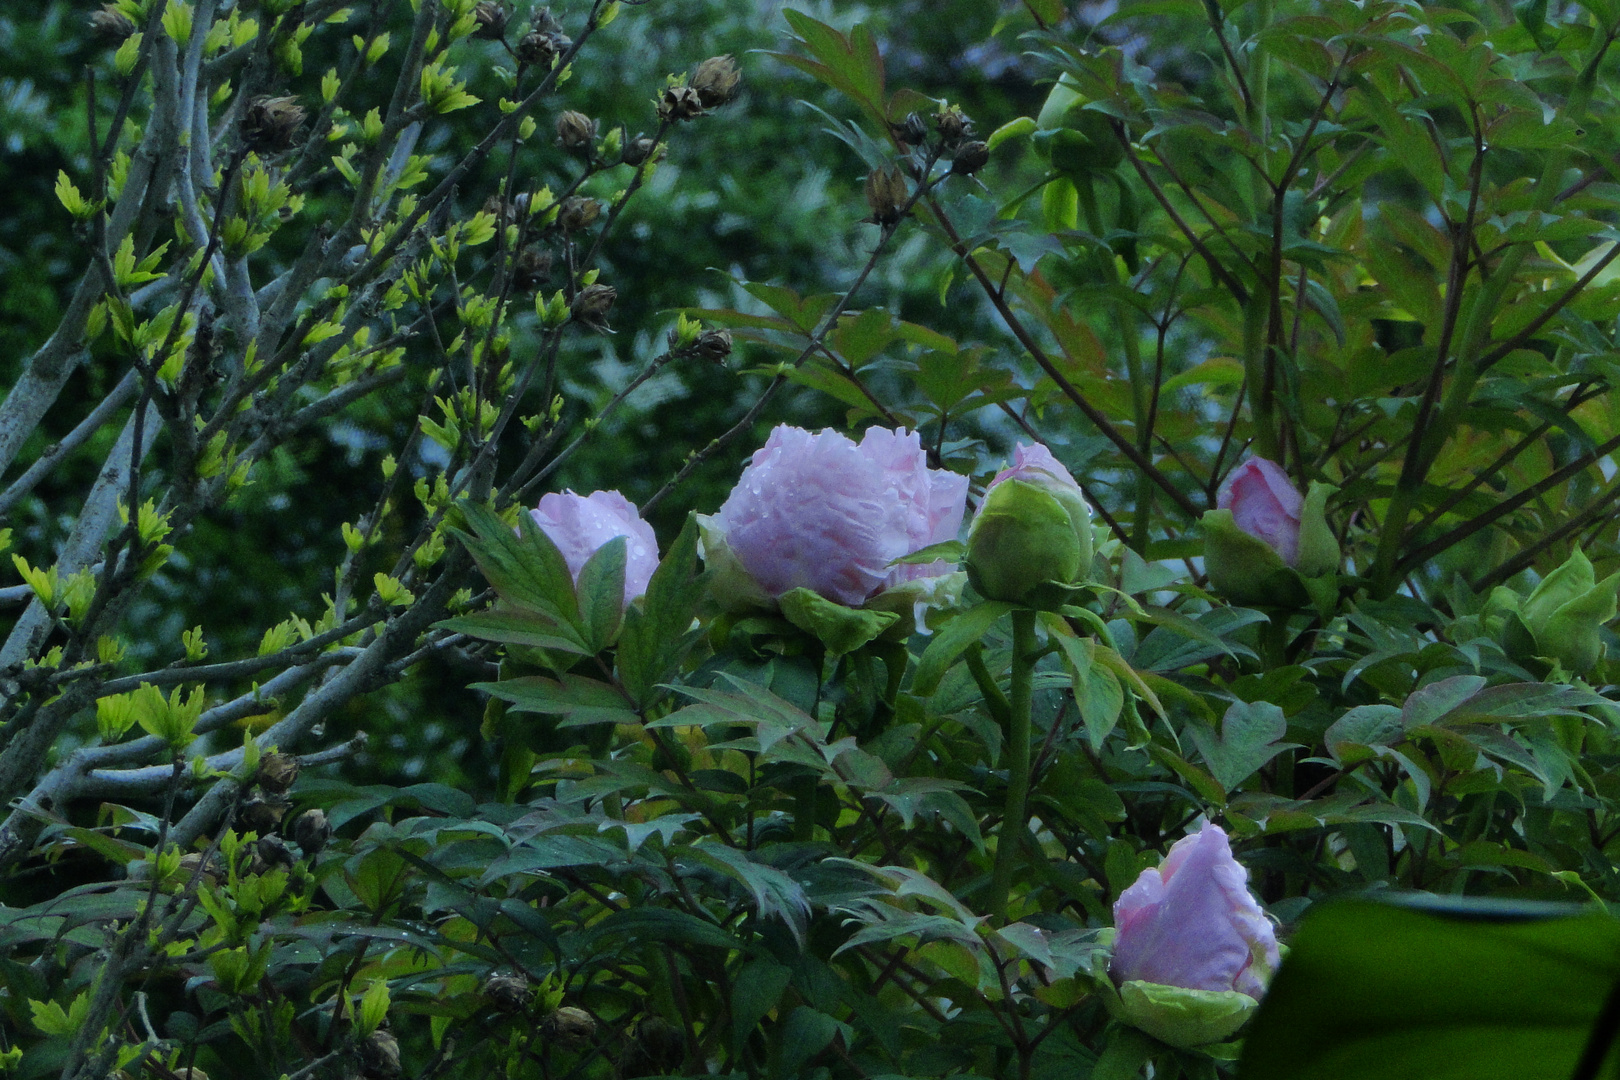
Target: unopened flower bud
1561	618
311	831
491	17
1264	544
575	130
1032	529
270	123
578	212
379	1056
970	158
713	345
953	124
638	150
532	270
886	194
592	304
716	80
910	132
111	24
678	103
569	1027
277	772
508	993
538	48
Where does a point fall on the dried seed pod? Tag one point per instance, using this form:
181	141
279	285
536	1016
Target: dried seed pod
111	24
638	150
379	1056
263	814
277	772
270	852
538	48
578	212
491	17
953	124
206	872
508	993
544	22
912	131
592	303
970	157
713	345
569	1027
270	123
532	269
678	103
886	194
575	131
716	81
310	831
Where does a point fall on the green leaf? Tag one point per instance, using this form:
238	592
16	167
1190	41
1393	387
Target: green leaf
525	568
754	993
601	593
511	627
1476	991
964	628
806	1034
1096	689
1248	739
658	632
578	700
841	629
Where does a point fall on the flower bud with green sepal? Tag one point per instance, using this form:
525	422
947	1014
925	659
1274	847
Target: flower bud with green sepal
1075	139
1266	546
1032	529
1561	618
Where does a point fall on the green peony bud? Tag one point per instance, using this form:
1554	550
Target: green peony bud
1074	138
1033	528
1562	615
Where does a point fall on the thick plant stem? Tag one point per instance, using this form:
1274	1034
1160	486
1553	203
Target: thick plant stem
1015	818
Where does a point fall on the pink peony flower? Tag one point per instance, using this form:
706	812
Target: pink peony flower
580	524
1264	504
820	512
1192	922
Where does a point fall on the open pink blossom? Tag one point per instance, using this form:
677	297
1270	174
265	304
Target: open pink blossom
1192	922
818	511
1265	504
580	524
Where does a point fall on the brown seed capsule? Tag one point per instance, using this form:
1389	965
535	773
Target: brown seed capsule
111	24
575	130
538	48
910	132
569	1027
713	345
970	157
886	194
638	150
953	123
263	814
578	212
270	852
269	123
716	81
310	831
508	993
592	303
277	772
532	269
679	103
491	17
379	1056
543	22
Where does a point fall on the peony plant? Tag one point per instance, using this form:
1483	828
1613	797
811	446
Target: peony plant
821	512
1264	544
579	525
1193	950
1032	529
